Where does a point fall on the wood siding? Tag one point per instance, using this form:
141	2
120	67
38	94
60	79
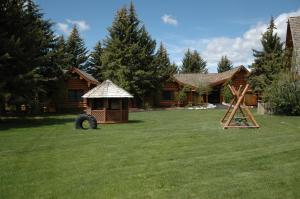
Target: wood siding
75	82
239	79
172	87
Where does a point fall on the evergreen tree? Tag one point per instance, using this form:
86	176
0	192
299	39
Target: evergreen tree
60	53
27	64
268	62
76	50
193	63
198	63
94	63
224	64
128	54
187	62
164	69
175	68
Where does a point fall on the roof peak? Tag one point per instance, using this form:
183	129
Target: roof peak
107	89
294	17
85	75
233	69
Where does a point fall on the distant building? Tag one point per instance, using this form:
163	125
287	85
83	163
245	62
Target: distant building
236	76
293	39
77	83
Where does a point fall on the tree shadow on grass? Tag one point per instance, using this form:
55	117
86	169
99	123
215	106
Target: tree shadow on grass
32	122
136	121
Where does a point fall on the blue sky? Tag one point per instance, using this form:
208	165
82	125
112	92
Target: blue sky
214	28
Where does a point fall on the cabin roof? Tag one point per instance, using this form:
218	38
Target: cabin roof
107	89
294	24
295	30
88	77
193	79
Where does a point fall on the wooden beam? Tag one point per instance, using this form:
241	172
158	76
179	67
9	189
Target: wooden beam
228	109
251	117
240	98
240	105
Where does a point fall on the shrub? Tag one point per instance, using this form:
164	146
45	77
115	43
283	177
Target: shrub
147	106
181	95
226	92
283	95
203	89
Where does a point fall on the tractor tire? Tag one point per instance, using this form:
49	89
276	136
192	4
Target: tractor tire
92	122
84	117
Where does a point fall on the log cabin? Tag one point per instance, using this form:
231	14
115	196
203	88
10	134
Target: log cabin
77	83
293	39
216	81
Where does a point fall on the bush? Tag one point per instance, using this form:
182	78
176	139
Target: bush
227	95
147	106
283	95
181	96
203	89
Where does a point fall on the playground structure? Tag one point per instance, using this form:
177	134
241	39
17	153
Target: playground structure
238	114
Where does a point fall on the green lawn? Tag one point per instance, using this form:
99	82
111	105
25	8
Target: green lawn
159	154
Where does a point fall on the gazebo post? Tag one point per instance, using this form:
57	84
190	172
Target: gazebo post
121	108
105	108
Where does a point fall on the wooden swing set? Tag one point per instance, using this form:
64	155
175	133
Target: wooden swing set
240	116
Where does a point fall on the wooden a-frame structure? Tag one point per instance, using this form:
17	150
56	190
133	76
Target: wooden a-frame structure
230	119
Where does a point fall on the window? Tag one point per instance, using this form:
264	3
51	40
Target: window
125	104
98	104
114	104
168	95
75	95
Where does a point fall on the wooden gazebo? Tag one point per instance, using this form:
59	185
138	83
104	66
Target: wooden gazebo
108	103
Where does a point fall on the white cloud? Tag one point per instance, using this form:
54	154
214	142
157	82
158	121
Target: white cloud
81	24
63	27
238	49
66	27
168	19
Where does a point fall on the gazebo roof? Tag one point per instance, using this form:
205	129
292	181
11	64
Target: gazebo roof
107	89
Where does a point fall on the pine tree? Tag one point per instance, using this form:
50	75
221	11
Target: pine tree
94	63
60	53
128	54
224	64
76	50
198	63
164	69
187	62
268	62
27	64
193	63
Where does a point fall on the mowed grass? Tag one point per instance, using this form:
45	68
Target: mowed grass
159	154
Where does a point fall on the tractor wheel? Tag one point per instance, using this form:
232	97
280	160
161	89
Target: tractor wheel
83	117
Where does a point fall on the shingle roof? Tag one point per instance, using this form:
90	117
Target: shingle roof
88	77
295	30
193	79
107	89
